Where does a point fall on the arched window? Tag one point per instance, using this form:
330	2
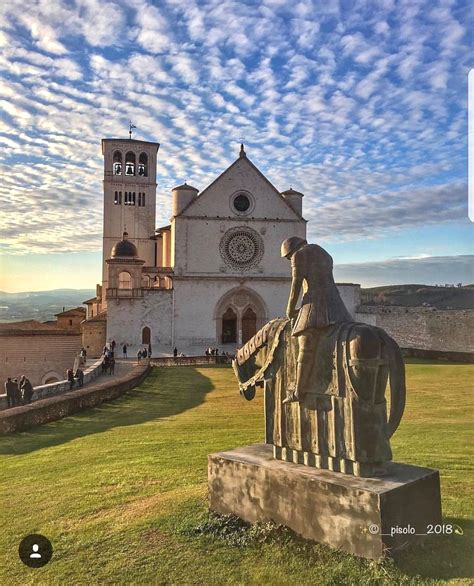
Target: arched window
249	324
130	163
125	280
143	165
147	281
146	335
117	166
229	327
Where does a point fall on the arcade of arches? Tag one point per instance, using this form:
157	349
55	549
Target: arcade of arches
239	315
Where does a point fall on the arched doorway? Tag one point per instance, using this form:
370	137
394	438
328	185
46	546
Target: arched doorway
146	335
229	327
239	314
249	324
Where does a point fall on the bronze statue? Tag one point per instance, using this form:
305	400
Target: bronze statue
321	306
324	375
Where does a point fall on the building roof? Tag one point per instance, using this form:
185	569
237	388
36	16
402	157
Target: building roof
124	248
74	311
91	301
291	191
185	186
130	140
163	228
32	327
99	317
242	156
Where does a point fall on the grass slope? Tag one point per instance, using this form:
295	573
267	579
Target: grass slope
118	489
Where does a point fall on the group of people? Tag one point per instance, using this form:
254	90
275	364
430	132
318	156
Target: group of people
72	376
144	352
108	360
19	392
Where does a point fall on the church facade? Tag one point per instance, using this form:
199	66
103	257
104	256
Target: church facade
213	276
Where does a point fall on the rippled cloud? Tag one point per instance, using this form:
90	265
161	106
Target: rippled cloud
362	109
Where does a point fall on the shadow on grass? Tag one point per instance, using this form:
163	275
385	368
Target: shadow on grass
164	393
442	557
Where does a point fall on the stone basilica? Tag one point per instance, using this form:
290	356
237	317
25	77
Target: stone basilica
212	277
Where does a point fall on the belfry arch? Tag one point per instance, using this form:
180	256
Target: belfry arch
239	314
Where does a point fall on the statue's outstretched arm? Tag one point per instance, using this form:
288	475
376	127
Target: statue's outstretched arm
296	285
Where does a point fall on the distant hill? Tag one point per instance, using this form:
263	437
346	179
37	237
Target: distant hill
40	305
419	295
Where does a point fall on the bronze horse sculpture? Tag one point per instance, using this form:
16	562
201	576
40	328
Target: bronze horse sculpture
342	423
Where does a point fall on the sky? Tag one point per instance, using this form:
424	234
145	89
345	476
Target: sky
361	105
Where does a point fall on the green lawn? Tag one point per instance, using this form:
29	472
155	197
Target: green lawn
120	488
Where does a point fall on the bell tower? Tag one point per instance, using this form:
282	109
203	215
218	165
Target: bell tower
129	197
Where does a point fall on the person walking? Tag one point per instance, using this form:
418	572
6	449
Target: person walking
113	345
149	350
70	378
79	374
112	365
124	351
139	355
10	391
106	363
83	355
175	352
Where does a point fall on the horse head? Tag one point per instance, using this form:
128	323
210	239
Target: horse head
254	360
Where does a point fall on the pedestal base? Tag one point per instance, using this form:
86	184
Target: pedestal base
368	517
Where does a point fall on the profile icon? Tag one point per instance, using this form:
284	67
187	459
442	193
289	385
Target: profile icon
35	550
35	555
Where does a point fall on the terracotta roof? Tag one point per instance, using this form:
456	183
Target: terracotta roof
32	327
75	311
99	317
90	301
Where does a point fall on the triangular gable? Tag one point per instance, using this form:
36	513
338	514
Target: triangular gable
226	172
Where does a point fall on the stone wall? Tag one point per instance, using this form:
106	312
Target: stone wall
38	357
126	319
53	389
424	328
53	408
94	336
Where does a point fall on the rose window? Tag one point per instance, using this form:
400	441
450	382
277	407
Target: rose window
241	248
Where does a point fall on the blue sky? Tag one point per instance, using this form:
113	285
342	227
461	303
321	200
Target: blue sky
361	105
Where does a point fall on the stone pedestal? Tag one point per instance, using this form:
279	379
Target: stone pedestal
368	517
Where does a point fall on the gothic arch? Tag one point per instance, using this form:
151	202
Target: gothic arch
250	309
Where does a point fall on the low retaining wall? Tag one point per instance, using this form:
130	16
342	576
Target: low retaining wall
467	357
189	360
43	391
53	408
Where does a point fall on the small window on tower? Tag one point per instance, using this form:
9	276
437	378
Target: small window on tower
116	198
143	165
130	163
139	198
143	199
125	280
117	166
133	199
